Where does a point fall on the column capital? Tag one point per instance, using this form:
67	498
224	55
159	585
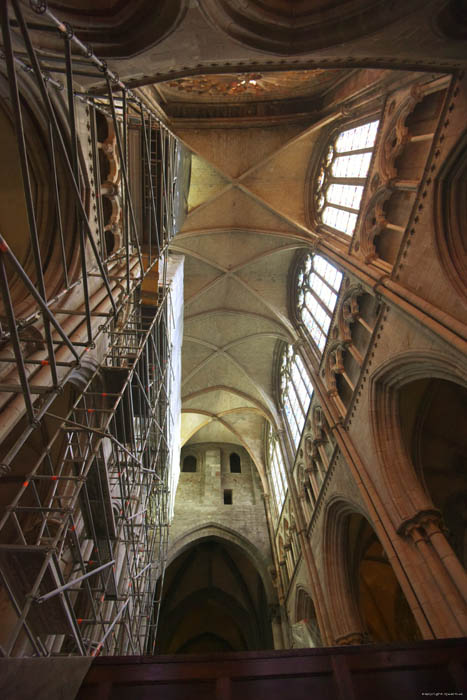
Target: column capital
421	525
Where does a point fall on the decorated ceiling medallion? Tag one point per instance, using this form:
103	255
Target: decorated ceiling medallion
271	85
217	85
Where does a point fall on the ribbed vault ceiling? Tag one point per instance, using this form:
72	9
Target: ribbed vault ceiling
245	223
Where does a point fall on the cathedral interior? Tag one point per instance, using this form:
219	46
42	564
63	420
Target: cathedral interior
233	333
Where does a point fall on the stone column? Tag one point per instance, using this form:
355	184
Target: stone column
275	618
445	582
279	623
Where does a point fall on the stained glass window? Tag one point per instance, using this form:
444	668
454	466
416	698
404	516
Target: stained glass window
341	179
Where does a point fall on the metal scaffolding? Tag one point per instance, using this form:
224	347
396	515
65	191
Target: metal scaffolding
85	366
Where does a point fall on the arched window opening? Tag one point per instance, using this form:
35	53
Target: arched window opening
342	177
235	463
278	479
296	392
318	284
189	464
305	631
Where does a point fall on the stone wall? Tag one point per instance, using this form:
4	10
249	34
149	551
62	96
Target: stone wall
200	495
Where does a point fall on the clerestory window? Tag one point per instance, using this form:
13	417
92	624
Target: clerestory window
296	392
278	479
318	284
342	177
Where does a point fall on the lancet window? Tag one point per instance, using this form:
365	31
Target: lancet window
342	176
296	392
278	477
318	284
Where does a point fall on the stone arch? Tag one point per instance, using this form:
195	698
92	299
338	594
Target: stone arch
366	599
285	28
403	487
433	415
452	20
120	29
305	630
450	212
220	532
214	586
343	609
14	220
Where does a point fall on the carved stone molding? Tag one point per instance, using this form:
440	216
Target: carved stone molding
352	638
395	133
348	311
373	222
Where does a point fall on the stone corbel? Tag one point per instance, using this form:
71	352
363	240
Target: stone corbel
349	311
373	223
337	355
396	133
308	445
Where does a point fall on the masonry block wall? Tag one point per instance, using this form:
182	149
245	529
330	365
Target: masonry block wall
201	494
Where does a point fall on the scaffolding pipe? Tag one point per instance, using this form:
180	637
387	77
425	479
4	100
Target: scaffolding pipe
73	582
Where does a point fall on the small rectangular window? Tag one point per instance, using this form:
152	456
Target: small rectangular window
228	497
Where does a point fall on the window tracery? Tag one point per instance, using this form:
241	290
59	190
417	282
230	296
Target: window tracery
342	176
318	284
296	392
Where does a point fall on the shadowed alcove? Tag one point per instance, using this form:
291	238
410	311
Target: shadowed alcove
381	602
433	416
214	600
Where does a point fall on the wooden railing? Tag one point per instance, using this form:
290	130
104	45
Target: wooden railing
389	672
